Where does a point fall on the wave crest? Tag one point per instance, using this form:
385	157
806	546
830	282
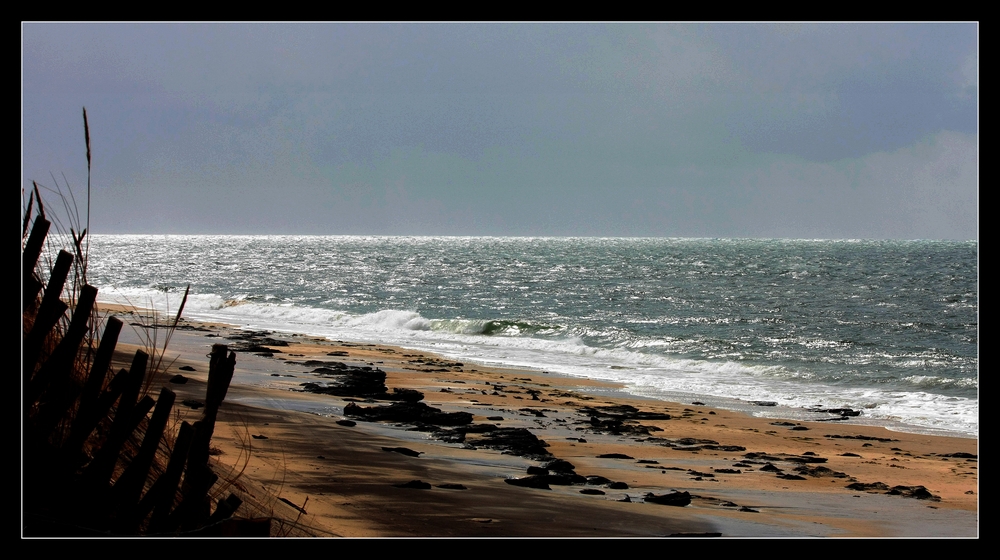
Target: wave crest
490	327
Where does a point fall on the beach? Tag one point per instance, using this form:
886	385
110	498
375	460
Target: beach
325	462
500	280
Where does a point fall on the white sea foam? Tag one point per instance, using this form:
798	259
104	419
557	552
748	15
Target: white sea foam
663	317
646	374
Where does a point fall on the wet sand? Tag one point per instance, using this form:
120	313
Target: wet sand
745	476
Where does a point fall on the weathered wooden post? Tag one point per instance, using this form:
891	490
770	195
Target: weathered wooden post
160	498
128	488
193	510
88	413
29	258
126	418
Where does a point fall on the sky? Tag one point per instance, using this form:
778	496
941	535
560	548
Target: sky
832	130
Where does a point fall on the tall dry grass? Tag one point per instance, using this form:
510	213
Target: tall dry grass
72	233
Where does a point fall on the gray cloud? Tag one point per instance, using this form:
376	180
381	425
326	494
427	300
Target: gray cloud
830	130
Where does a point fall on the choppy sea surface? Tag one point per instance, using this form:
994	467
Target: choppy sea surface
889	328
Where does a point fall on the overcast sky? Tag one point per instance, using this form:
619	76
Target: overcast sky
717	130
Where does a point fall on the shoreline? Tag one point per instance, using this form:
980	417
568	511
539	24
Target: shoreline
791	404
764	410
346	485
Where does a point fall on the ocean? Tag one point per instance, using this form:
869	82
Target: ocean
887	328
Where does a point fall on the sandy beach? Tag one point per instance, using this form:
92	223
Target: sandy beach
617	465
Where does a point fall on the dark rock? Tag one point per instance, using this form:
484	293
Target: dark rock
960	455
804	459
351	382
764	403
254	338
592	491
724	447
748	509
408	412
622	419
614	456
187	368
918	492
596	480
728	471
319	363
538	482
406	395
348	423
868	486
261	436
679	499
403	451
849	454
623	412
517	441
560	465
862	438
495	418
457	434
327	371
537	470
564	479
618	486
689	444
450	486
820	472
255	341
770	468
179	379
791	477
193	404
840	411
647	462
760	455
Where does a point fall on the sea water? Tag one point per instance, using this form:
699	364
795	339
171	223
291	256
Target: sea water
889	328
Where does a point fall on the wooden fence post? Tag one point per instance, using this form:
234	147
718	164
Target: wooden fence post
160	498
60	363
88	412
193	510
128	487
103	465
29	258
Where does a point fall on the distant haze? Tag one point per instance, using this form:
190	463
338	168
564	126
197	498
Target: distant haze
701	130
